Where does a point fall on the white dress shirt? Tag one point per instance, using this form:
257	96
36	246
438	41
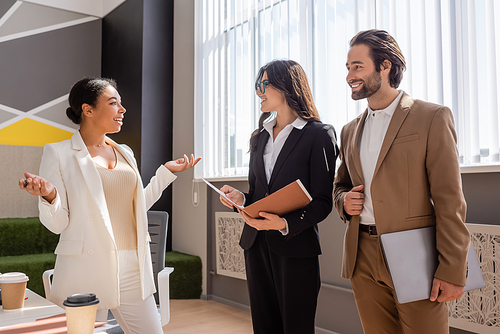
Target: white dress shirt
274	146
369	144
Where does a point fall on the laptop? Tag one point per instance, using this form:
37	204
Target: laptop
412	258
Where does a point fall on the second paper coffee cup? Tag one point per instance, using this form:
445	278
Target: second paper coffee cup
80	313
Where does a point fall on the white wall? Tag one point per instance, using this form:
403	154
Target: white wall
189	229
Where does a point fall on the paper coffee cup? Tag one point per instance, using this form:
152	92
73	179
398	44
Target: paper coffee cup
80	313
13	289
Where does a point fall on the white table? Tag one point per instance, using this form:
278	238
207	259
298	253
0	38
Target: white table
35	307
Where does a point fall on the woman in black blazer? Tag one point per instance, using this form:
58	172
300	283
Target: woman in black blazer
281	253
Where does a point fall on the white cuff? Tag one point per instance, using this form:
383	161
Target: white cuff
48	207
285	230
165	175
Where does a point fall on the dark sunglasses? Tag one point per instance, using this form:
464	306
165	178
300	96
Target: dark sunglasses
261	85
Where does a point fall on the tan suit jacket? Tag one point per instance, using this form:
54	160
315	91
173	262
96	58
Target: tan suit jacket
87	259
416	183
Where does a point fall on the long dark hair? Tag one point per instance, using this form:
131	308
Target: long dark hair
288	77
383	46
87	90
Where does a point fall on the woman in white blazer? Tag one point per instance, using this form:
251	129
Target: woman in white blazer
91	193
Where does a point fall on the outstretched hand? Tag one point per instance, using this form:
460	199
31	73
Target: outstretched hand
36	185
181	164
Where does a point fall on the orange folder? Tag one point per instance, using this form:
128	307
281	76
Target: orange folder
289	198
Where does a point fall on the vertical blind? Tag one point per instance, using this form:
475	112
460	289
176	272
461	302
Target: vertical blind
450	47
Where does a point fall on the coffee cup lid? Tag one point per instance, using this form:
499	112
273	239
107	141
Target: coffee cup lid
13	278
81	299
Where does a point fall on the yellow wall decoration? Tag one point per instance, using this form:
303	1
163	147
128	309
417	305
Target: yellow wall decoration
28	132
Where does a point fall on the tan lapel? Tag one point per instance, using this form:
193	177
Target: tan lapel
397	121
356	158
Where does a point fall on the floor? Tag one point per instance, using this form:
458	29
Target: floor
194	316
198	316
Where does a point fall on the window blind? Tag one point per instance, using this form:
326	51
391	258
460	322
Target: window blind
450	47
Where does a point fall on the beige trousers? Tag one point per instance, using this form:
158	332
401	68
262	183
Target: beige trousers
376	301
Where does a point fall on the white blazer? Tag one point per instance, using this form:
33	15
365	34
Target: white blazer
87	259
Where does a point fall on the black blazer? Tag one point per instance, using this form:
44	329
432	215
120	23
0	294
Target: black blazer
308	154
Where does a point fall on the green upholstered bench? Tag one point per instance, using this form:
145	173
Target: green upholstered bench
27	246
185	281
32	265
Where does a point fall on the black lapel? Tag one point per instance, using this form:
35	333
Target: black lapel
259	159
290	142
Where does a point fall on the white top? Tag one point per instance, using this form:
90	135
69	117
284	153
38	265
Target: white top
274	146
369	144
119	185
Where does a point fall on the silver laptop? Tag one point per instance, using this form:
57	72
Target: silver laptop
412	258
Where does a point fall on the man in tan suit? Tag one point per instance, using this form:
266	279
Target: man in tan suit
399	171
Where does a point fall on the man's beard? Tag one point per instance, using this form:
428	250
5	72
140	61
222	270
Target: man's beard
370	86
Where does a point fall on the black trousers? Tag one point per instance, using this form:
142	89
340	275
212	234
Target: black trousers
283	291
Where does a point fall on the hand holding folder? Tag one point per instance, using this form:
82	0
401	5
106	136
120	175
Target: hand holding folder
222	194
289	198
